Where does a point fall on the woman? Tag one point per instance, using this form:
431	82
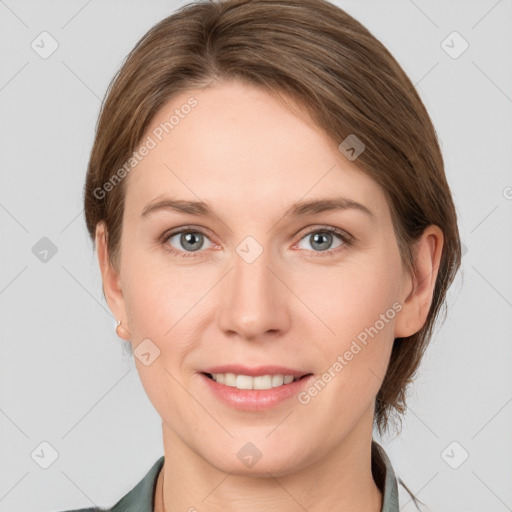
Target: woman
276	237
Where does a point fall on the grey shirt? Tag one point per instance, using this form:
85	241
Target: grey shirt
141	497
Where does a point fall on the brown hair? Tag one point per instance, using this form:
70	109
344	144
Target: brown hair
316	54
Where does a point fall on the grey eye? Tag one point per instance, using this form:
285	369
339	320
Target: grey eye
321	240
190	241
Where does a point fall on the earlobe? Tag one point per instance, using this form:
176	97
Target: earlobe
416	302
112	290
122	331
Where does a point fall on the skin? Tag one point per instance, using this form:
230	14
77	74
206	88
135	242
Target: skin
249	157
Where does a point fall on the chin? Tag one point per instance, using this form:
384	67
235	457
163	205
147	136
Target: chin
250	461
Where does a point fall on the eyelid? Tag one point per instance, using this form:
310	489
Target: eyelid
184	229
330	229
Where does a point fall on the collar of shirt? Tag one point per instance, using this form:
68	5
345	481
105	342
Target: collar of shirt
141	497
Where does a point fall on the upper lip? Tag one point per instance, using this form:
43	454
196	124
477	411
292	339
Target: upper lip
255	371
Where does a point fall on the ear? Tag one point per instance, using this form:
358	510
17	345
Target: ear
419	288
111	281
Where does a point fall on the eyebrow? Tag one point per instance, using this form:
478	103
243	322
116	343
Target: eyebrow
301	208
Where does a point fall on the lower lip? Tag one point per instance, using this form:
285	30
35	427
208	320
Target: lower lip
255	399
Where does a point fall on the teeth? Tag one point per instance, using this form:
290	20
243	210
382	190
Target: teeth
248	382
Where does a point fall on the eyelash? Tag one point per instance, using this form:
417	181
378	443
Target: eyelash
347	240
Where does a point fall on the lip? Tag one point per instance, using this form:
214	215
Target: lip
254	399
255	371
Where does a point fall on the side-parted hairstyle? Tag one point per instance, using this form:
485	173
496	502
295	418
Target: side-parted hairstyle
336	71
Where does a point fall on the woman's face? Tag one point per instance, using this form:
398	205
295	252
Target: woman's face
257	281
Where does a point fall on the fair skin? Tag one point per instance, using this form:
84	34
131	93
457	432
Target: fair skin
250	158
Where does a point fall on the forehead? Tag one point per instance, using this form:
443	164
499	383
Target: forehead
237	144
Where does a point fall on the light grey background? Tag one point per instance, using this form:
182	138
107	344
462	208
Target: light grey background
64	378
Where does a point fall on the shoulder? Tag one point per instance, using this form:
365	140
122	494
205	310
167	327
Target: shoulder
409	502
93	509
397	497
89	509
139	499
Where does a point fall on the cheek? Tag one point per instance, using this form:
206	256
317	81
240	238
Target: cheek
358	303
158	295
352	296
160	307
361	314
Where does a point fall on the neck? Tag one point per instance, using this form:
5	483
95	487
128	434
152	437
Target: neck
341	481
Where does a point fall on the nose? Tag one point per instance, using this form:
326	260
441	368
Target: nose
254	300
